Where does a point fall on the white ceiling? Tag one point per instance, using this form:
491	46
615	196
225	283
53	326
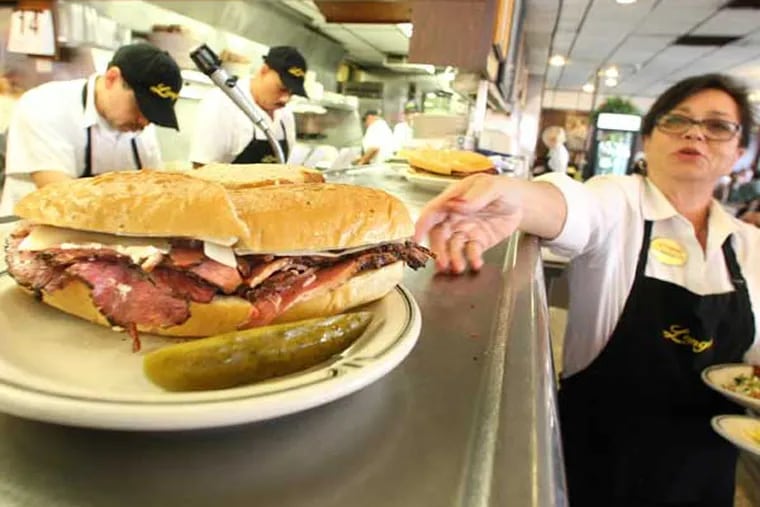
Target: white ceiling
593	34
639	39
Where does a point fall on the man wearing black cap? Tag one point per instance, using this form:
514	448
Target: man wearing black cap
71	129
223	133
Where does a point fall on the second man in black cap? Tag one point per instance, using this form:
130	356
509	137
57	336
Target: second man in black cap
223	133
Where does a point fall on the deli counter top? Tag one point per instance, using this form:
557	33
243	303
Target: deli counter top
467	419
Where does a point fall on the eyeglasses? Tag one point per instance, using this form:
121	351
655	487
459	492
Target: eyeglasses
714	129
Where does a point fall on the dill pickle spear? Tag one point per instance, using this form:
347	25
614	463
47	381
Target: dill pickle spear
251	355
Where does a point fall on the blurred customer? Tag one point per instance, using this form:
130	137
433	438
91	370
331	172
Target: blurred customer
663	283
378	143
402	131
224	133
557	157
71	129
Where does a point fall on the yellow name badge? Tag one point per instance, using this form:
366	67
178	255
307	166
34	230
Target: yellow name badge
668	251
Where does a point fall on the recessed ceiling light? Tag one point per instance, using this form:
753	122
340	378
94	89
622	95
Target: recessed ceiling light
588	88
624	2
611	82
612	72
557	61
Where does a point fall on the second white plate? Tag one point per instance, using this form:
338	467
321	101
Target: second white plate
720	375
740	430
429	182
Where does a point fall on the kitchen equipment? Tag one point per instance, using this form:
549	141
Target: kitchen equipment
210	64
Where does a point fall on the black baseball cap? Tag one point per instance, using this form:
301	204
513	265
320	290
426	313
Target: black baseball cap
290	65
155	78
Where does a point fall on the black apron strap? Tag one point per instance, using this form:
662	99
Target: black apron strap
88	144
733	265
136	154
644	253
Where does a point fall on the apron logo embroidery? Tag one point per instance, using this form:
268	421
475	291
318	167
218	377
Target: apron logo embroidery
681	336
269	159
164	91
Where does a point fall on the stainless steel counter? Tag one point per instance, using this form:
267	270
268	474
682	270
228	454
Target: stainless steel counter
467	419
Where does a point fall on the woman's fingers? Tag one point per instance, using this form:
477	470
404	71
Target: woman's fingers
456	245
439	237
474	254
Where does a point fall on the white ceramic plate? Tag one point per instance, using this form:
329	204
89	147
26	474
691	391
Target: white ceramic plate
61	369
719	375
428	182
741	430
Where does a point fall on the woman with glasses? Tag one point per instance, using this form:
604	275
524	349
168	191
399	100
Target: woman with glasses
663	283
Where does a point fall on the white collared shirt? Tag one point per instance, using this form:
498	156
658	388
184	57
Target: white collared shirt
558	158
379	135
48	132
603	234
223	130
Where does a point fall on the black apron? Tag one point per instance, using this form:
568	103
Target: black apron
636	422
88	145
259	151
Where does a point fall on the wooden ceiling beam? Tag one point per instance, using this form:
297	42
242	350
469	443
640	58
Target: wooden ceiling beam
350	11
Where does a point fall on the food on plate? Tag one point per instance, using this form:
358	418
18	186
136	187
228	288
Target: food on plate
176	255
754	435
449	163
748	385
256	175
251	355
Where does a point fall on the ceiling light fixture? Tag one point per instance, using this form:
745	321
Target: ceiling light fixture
612	72
611	82
588	88
557	61
406	28
625	2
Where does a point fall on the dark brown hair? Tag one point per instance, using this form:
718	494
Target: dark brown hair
693	85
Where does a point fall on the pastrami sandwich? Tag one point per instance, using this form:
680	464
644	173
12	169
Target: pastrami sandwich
176	255
257	175
450	163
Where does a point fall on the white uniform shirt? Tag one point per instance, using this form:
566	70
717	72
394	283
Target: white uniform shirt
222	129
603	234
48	132
379	135
402	134
558	158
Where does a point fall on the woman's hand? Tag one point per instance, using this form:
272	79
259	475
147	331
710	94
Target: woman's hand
468	218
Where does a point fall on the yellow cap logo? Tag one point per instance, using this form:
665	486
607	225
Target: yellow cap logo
296	71
164	91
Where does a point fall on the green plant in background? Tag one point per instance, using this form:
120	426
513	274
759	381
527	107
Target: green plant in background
619	105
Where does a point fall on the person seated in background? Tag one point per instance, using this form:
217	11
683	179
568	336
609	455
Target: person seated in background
224	133
663	283
557	157
402	131
747	186
378	144
71	129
